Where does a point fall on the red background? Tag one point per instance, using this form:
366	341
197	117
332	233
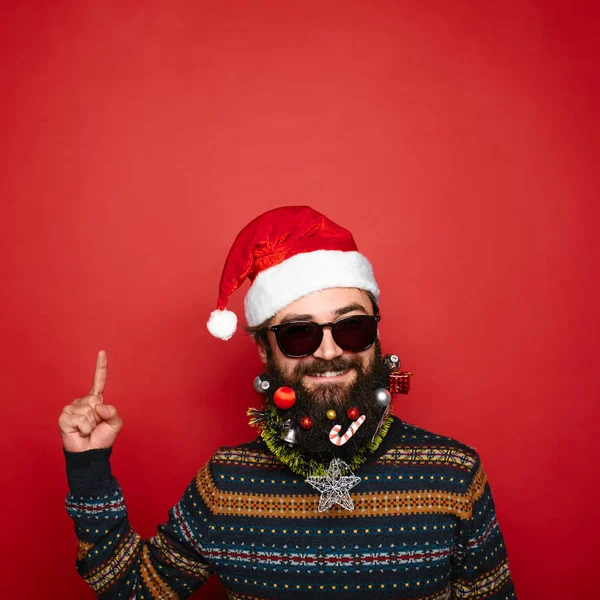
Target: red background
458	141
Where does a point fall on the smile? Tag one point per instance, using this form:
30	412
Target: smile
330	374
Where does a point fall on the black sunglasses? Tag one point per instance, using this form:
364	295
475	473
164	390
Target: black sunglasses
297	339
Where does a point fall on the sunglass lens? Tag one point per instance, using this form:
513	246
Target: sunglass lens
355	334
299	339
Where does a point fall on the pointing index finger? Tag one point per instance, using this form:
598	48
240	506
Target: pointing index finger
100	374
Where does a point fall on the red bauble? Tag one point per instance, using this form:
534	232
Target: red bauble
284	397
305	423
353	413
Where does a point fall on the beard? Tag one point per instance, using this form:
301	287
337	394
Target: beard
314	403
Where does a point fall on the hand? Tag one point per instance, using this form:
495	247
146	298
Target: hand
87	423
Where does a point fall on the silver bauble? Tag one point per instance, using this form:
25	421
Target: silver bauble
383	397
261	385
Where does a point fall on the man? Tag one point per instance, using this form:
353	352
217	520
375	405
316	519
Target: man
336	498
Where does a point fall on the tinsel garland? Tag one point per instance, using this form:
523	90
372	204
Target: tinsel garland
270	426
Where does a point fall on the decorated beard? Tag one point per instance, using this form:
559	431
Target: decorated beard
314	406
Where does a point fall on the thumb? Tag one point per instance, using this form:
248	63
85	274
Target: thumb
108	413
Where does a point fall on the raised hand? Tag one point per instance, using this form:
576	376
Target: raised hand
87	423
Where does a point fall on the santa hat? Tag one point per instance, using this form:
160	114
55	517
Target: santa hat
287	253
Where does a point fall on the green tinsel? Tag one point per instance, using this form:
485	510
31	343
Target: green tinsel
293	458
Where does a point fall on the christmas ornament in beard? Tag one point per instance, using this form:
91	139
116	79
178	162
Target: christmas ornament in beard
314	403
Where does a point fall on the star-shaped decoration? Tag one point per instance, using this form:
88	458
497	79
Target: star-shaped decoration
335	485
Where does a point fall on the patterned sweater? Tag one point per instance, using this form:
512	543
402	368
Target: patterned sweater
423	527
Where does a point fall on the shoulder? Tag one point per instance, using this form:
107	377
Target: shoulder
250	454
435	462
415	435
409	443
234	467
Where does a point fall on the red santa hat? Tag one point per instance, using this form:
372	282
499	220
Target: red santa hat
287	253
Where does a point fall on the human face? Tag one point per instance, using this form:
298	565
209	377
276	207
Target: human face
323	307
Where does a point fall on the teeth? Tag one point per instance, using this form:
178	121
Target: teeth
330	374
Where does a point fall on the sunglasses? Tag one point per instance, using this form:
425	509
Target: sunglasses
298	339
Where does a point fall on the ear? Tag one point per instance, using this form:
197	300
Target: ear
262	353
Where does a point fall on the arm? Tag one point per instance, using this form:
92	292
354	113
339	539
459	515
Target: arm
480	567
112	558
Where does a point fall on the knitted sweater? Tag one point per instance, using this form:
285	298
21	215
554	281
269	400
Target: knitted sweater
423	526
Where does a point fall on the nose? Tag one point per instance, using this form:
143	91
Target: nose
328	350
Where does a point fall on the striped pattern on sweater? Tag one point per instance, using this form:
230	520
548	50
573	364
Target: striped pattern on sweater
424	527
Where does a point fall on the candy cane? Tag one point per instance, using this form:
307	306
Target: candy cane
334	434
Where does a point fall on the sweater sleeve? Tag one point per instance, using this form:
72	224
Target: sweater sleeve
480	568
112	558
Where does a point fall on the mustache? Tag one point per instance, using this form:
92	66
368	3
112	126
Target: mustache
316	368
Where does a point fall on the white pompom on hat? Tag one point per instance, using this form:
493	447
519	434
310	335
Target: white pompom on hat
287	253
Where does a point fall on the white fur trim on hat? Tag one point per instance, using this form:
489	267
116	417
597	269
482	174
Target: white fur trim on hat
222	323
305	273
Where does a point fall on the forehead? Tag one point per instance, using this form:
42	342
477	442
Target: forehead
326	304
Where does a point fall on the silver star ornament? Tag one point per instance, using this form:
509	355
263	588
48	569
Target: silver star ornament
335	485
